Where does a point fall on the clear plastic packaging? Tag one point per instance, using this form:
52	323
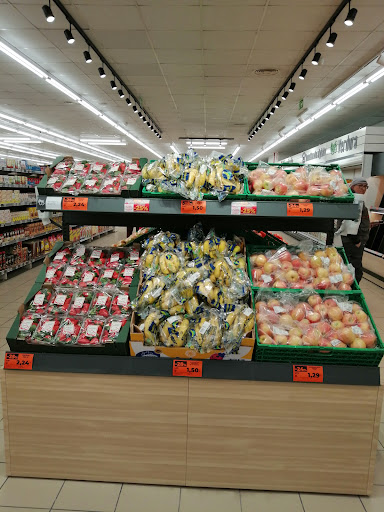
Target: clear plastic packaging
91	331
81	169
121	304
97	258
101	303
55	182
205	333
100	167
72	276
61	302
125	277
46	331
173	331
72	184
112	328
69	331
53	274
28	325
111	185
89	277
81	303
62	256
39	302
116	258
109	277
79	255
92	184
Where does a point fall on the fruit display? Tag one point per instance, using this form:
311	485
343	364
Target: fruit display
301	267
101	303
112	328
192	176
109	277
125	277
54	274
90	333
79	256
40	301
68	331
46	330
268	180
120	304
189	288
62	256
72	184
89	277
304	319
81	303
27	327
111	185
72	275
92	185
97	258
134	236
60	302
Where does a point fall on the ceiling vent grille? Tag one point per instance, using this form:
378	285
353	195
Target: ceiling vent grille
265	72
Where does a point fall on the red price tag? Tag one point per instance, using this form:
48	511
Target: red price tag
306	373
136	205
193	207
75	203
243	208
14	361
248	210
141	207
299	209
187	368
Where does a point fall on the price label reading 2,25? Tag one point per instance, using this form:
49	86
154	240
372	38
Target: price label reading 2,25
306	373
299	209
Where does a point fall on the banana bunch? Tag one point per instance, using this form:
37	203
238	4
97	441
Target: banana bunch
240	321
211	293
221	272
192	306
150	259
206	333
150	292
169	302
153	171
150	327
173	331
169	263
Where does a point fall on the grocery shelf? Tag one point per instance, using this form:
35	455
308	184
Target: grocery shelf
29	238
227	370
19	222
13	185
19	171
9	205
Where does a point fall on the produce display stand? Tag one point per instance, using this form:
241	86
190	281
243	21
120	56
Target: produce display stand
229	424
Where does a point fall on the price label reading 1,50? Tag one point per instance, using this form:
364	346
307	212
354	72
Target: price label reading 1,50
306	373
187	368
299	209
193	207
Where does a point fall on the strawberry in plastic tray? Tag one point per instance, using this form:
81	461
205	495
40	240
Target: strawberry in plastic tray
61	170
55	182
101	304
69	331
72	275
116	169
108	277
97	258
111	185
53	274
133	257
40	301
89	277
125	277
79	255
72	184
112	328
28	325
81	303
46	330
116	258
60	302
90	332
98	167
92	184
62	256
81	169
128	180
120	304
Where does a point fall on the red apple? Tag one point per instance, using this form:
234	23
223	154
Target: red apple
347	278
324	284
322	309
313	316
349	319
369	339
361	316
297	263
285	256
344	286
330	302
365	327
314	299
298	312
279	284
346	335
265	329
281	189
303	256
286	265
273	303
256	274
335	313
304	272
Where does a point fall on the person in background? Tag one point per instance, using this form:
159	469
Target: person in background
353	242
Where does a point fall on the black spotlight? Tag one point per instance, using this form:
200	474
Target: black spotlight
87	57
302	74
144	119
152	127
134	108
121	93
48	13
278	103
273	110
316	59
102	72
129	102
68	35
285	95
291	88
268	117
351	16
331	39
140	114
113	85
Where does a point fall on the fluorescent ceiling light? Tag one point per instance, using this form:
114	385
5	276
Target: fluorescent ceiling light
100	141
108	120
305	123
209	143
62	88
375	76
208	147
174	149
110	143
236	151
5	139
21	60
289	134
90	108
351	93
323	111
26	158
27	150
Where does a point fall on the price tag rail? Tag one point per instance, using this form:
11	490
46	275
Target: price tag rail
210	369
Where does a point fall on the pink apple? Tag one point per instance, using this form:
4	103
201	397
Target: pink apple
364	326
326	190
256	274
300	186
281	189
313	191
330	302
324	327
304	323
358	343
265	329
285	256
314	299
303	256
347	278
266	340
324	283
304	272
355	307
335	313
292	276
309	341
269	267
346	335
322	309
325	343
334	268
298	312
369	339
281	339
272	303
337	324
297	263
349	319
286	265
260	260
295	331
361	316
279	284
344	286
294	340
313	316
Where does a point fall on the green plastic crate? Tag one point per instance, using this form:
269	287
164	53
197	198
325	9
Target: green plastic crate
253	197
322	355
171	195
255	248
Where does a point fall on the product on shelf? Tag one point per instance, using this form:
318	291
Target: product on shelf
89	277
56	181
109	277
69	331
72	184
28	325
97	258
61	301
81	169
72	275
192	176
116	169
79	256
62	256
46	331
81	302
120	304
304	181
111	185
54	273
101	303
132	237
304	319
91	330
112	328
92	184
39	302
125	277
301	267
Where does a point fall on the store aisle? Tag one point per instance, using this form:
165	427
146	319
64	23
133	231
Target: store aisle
39	495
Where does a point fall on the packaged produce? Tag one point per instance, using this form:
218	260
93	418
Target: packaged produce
53	274
125	277
117	169
62	256
305	319
28	325
206	331
120	304
97	258
72	184
81	168
100	167
69	331
45	332
112	328
127	180
79	255
116	258
72	275
90	332
301	267
100	304
92	184
111	185
39	302
108	277
55	182
238	322
60	302
173	331
81	302
89	277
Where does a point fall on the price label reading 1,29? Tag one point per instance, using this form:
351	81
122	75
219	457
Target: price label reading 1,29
14	361
306	373
193	207
299	209
187	368
136	205
75	203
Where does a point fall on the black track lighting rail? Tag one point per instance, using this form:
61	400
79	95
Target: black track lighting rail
313	46
105	62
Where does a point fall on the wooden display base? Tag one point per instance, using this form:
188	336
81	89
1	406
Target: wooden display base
191	432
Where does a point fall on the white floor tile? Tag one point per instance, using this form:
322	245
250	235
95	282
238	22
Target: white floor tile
209	500
29	492
145	498
375	502
260	501
89	496
331	503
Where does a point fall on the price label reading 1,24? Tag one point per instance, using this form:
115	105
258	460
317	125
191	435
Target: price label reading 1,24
75	203
187	368
14	361
193	207
300	209
306	373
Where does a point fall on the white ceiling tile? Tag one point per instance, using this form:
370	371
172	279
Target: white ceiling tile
281	17
10	18
130	56
224	71
109	17
179	56
168	17
120	39
171	39
235	17
228	39
182	70
228	57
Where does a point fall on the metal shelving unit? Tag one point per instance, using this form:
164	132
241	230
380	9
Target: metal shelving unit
5	244
12	205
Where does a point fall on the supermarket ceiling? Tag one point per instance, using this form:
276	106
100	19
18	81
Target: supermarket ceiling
192	63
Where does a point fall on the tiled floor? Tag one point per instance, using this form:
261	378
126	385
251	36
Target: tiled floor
37	495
